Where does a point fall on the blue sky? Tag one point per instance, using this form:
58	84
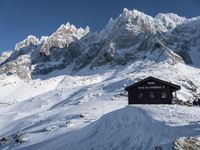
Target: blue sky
19	18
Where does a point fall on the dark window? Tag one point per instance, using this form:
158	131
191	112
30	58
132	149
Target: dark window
151	95
140	95
163	94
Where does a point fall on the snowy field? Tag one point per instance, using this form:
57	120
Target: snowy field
89	110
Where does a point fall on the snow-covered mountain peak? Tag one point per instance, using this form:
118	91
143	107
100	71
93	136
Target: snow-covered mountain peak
43	39
134	18
131	23
132	36
30	40
171	16
64	35
71	29
170	20
128	13
5	55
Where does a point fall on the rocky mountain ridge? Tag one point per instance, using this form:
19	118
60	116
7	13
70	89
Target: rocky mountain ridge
131	36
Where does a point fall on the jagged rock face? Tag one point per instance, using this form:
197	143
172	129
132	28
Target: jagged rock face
30	40
59	58
20	66
131	36
63	36
183	38
88	55
127	28
5	55
105	56
19	62
170	20
47	54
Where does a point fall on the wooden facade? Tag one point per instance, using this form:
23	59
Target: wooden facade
152	91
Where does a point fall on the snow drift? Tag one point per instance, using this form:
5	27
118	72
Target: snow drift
129	128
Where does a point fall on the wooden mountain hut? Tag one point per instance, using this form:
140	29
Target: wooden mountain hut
152	91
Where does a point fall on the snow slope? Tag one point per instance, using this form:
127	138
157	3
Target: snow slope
52	119
133	127
15	90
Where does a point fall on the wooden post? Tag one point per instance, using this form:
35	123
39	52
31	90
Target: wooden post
175	95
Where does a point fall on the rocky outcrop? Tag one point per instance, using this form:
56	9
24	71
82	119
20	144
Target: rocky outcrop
190	143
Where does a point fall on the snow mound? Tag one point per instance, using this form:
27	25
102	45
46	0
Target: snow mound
128	128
